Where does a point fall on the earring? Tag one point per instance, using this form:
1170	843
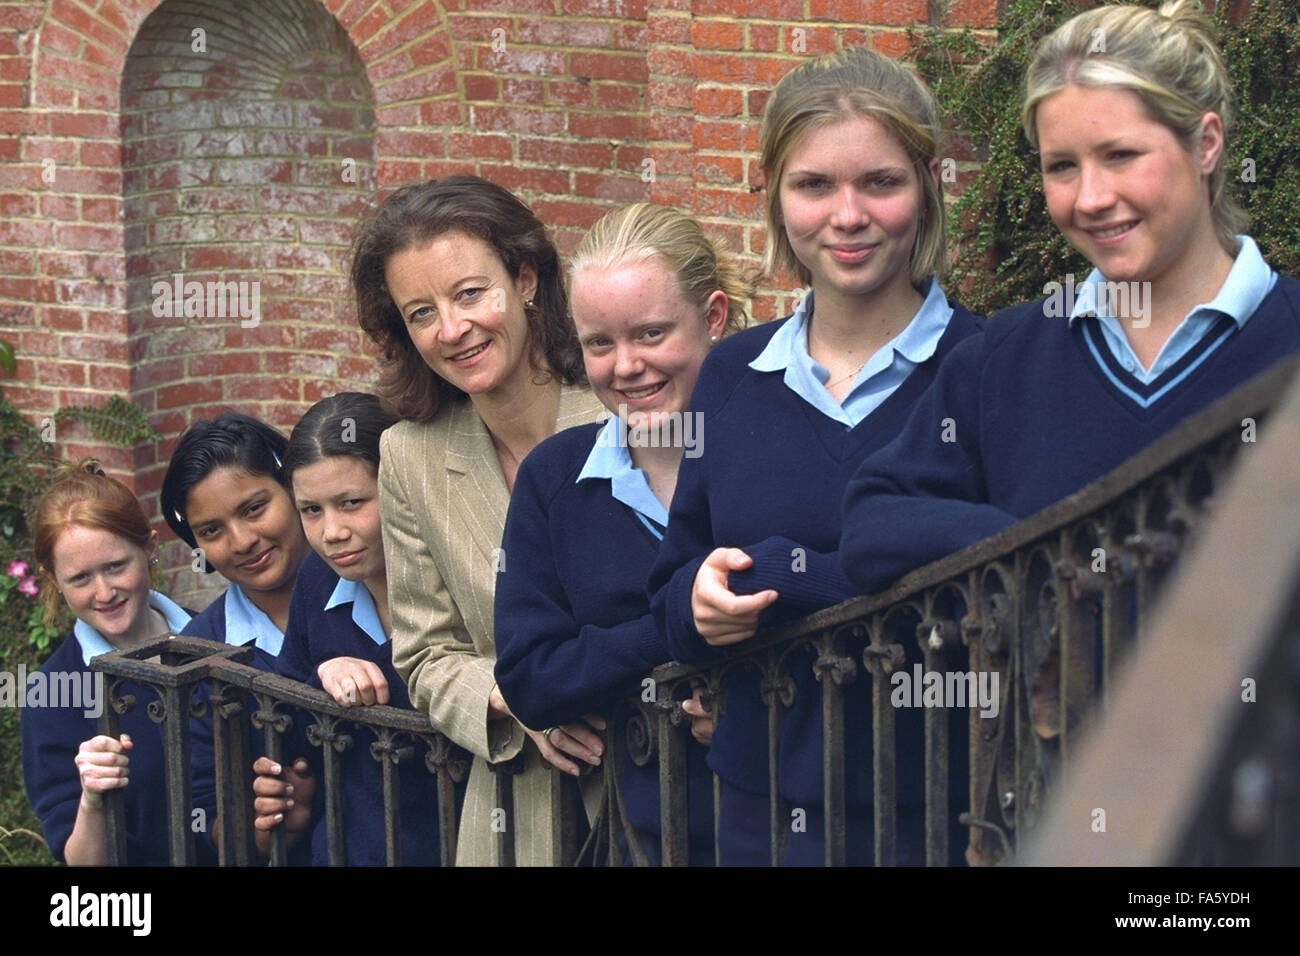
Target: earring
713	339
153	559
528	303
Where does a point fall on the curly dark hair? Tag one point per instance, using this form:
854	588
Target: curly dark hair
418	214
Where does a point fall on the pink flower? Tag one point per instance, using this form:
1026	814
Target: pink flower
29	586
17	569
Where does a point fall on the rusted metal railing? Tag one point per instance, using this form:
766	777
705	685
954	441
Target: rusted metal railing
1053	606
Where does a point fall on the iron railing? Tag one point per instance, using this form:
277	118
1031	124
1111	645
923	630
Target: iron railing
1052	606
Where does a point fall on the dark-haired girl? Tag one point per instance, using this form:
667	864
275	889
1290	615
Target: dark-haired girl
458	283
339	625
226	495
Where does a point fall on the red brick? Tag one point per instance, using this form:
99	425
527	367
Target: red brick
715	101
527	60
555	212
482	146
178	396
891	44
607	126
92	348
726	170
721	68
110	378
61	373
608	66
618	96
569	33
761	9
222	363
521	91
14	262
621	189
481	86
65	320
261	388
529	178
566	93
717	35
728	203
101	210
472	27
518	120
663	28
726	136
566	153
631	9
630	36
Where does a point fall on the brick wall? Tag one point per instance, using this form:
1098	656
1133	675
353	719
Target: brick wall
133	148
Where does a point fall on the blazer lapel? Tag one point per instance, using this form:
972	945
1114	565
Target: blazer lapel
478	495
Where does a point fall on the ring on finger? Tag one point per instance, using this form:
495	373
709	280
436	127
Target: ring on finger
546	734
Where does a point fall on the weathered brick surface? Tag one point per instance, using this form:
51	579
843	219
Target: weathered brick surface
133	149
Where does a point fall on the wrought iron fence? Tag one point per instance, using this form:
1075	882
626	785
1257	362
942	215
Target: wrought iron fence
1052	606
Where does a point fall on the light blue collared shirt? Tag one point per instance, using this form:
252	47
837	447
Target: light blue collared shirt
93	643
882	373
247	623
1248	282
610	458
364	614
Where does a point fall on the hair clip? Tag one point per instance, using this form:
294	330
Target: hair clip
179	518
278	466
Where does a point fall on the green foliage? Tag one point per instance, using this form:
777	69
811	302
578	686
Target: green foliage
117	421
1005	247
27	464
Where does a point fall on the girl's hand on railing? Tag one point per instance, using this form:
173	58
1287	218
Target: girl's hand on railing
721	617
351	681
281	795
579	739
701	719
103	765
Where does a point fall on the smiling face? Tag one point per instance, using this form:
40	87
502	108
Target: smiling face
1122	188
248	529
642	339
105	580
464	311
338	500
850	204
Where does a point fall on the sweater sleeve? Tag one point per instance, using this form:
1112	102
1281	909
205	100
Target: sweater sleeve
688	540
806	580
550	668
50	741
923	496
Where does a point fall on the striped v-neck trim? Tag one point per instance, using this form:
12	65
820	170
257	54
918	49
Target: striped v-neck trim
1145	395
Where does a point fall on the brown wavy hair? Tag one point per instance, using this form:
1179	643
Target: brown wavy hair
416	215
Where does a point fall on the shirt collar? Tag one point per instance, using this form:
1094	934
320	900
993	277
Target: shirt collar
364	613
1249	280
611	459
246	622
916	343
93	643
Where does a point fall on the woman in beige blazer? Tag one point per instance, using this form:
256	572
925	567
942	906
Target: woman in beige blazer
458	284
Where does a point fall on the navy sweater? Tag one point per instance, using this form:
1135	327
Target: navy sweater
573	623
771	471
1035	417
51	737
313	636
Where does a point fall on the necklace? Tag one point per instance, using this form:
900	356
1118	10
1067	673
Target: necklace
847	375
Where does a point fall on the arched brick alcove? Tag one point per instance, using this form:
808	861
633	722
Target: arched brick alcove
247	156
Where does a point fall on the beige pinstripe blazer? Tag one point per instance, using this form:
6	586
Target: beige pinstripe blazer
443	500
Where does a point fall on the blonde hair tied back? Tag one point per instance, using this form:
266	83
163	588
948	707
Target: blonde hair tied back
643	232
1168	58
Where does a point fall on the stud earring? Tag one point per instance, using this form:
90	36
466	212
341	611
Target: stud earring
153	559
713	339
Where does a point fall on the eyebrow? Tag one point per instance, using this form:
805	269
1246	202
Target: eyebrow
455	287
878	171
